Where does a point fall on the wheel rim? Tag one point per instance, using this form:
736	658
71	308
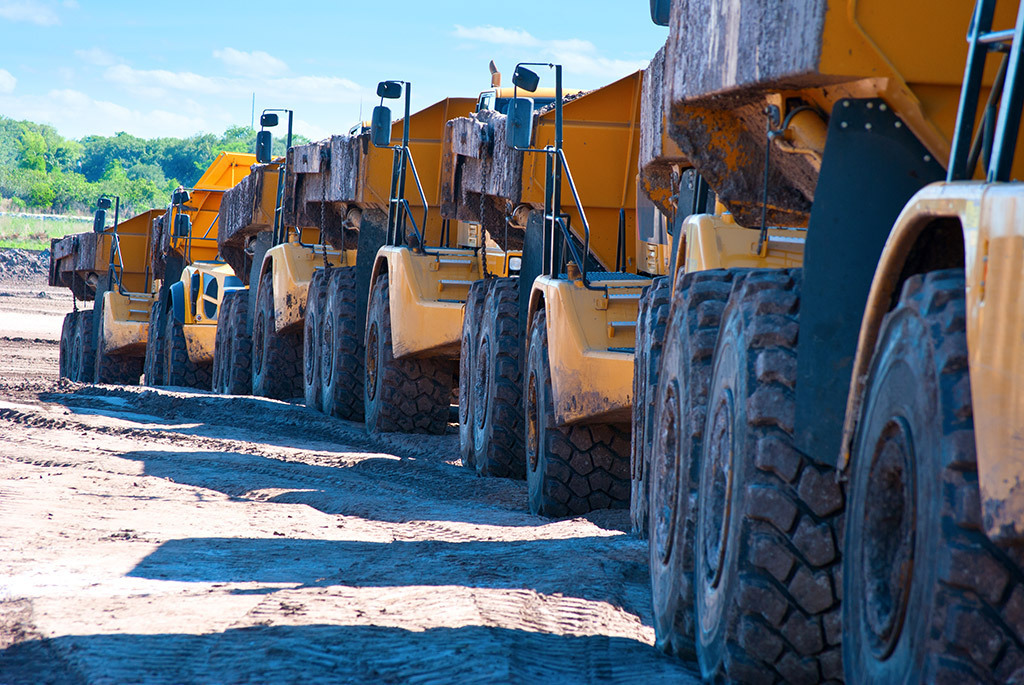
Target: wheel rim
532	423
327	349
716	508
465	382
666	479
889	523
371	361
309	348
480	382
258	331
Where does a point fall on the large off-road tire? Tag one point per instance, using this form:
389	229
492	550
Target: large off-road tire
115	369
276	356
569	470
83	354
238	341
402	395
179	370
67	335
679	407
472	320
342	353
928	598
312	339
153	364
497	390
652	318
768	518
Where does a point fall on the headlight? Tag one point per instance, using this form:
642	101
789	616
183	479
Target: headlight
515	263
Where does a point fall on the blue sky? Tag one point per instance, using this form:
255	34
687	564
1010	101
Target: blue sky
174	69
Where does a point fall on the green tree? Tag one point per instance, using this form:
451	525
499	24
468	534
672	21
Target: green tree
41	195
33	150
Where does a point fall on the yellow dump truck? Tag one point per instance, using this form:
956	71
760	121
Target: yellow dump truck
191	280
403	286
870	391
280	260
110	266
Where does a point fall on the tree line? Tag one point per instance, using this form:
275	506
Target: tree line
41	169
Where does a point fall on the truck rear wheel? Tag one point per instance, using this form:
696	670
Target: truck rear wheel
497	390
679	406
276	356
179	370
67	335
472	322
238	345
342	355
927	596
401	395
83	360
575	469
652	318
768	517
312	340
153	364
115	369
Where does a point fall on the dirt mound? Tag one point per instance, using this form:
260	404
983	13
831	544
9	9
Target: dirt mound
23	265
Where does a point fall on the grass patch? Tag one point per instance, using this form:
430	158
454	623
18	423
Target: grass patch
35	233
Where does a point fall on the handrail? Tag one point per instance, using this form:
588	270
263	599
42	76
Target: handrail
583	215
406	153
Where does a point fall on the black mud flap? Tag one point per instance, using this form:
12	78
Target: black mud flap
373	230
872	165
533	265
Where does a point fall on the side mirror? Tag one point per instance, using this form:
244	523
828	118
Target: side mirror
380	126
263	146
525	79
519	124
179	197
269	119
660	10
182	226
389	90
103	203
99	221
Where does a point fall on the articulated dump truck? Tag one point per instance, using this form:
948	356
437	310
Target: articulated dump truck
109	267
260	339
191	280
563	330
835	470
157	284
384	328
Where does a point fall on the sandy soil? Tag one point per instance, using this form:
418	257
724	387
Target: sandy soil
169	536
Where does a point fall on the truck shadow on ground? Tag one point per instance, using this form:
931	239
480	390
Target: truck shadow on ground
334	653
378	488
594	568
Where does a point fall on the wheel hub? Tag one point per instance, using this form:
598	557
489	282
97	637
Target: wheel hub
716	501
480	382
371	361
665	480
532	422
889	522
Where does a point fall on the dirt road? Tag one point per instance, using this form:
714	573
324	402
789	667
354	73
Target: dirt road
169	536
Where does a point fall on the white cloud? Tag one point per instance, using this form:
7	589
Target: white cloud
7	81
96	56
28	10
255	63
578	57
75	114
496	35
159	83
